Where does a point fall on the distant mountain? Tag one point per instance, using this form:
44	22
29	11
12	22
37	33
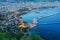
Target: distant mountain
27	0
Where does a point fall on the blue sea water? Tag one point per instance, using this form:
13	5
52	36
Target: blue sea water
48	31
28	0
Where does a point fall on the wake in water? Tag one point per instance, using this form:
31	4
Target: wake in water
41	17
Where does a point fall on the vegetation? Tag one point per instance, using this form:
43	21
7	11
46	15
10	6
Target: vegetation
5	36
